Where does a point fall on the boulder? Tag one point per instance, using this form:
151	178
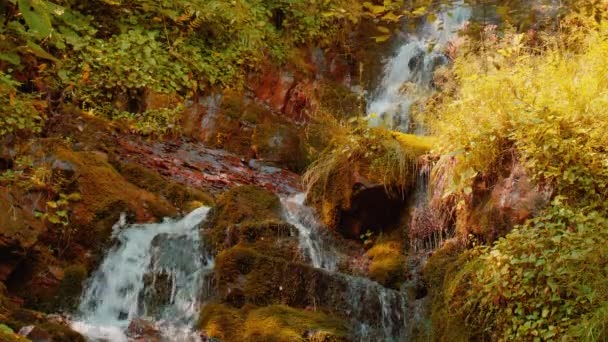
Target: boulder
140	330
35	334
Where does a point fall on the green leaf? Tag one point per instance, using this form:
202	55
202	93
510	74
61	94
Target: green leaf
38	51
37	17
11	57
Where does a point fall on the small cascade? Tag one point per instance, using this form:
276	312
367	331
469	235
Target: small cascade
157	272
408	75
311	242
377	313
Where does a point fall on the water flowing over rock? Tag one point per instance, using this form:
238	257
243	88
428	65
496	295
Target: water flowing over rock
159	272
408	75
303	219
376	313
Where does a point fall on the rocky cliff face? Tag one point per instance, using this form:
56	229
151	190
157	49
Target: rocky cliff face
91	171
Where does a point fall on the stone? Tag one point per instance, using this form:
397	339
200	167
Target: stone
35	334
141	330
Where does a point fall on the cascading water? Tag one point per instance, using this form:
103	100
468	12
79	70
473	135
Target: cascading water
377	313
158	272
312	245
408	75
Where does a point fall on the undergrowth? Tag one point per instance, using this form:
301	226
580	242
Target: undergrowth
387	157
546	107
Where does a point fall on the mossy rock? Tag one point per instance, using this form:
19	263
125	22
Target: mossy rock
248	276
221	322
278	323
282	323
376	158
70	288
438	274
8	335
340	100
179	195
387	264
241	208
280	143
105	193
15	318
247	128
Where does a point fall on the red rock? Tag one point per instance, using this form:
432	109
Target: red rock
141	330
35	334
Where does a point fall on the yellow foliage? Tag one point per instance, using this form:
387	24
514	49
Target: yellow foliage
275	323
561	92
388	263
356	153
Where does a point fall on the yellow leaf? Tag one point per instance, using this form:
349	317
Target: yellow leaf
380	39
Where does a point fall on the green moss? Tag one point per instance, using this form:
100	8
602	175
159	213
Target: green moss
179	195
252	232
438	274
278	323
70	287
387	264
8	335
221	322
240	207
233	262
282	323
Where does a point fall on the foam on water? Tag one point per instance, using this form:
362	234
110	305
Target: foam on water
408	74
157	272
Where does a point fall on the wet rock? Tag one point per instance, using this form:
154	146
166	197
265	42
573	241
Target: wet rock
140	330
496	207
211	170
35	334
272	87
19	229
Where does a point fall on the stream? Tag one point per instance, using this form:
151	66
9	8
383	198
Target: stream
162	273
125	286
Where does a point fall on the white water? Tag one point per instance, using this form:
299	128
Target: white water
376	312
408	75
157	272
303	219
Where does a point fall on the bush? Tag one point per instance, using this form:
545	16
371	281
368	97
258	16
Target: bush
17	111
546	279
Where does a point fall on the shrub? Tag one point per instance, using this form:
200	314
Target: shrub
546	279
17	111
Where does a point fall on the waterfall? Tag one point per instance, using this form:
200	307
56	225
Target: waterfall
408	75
377	313
311	243
157	272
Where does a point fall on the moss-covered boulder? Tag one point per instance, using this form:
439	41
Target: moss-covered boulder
243	126
438	273
278	323
56	219
388	263
246	212
13	318
181	196
361	182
